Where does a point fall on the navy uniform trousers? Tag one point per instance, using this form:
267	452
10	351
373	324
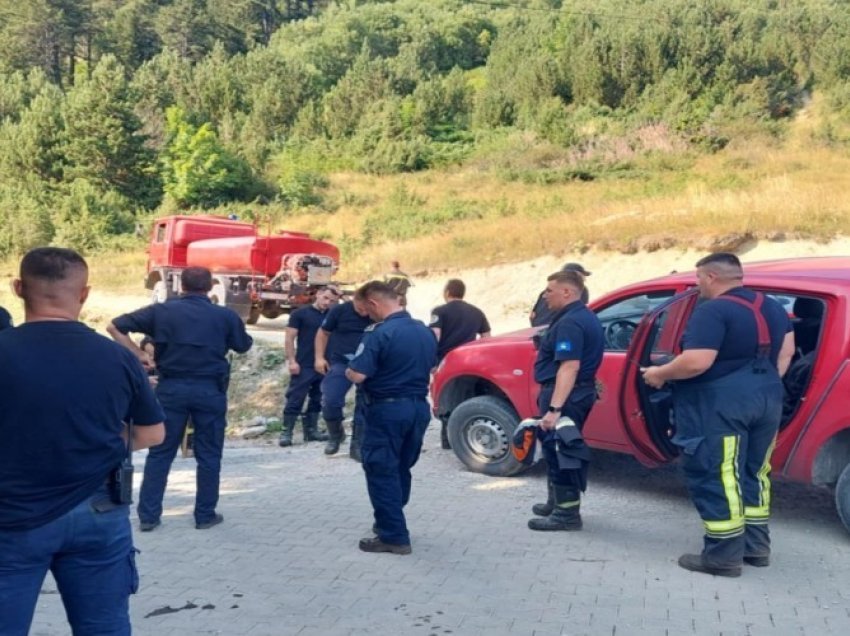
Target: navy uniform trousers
334	388
205	401
726	429
577	408
306	384
392	441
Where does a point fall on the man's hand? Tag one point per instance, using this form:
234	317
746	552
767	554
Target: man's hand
653	377
146	359
294	367
547	423
321	365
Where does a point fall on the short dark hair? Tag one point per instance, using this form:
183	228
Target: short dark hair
375	288
147	340
568	277
51	263
723	258
196	280
455	288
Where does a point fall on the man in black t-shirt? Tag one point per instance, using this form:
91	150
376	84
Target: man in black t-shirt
66	392
456	323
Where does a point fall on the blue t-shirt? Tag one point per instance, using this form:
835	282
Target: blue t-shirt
345	327
575	334
191	336
66	392
730	329
307	321
5	319
396	357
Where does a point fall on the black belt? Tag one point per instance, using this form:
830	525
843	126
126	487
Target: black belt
578	385
370	400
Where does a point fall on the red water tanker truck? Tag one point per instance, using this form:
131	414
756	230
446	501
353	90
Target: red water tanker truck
256	275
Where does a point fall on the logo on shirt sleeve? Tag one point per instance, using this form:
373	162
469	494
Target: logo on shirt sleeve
360	349
434	319
564	345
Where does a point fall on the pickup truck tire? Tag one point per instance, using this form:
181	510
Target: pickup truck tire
480	432
842	497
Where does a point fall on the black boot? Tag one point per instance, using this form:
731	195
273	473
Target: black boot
545	509
336	435
565	515
444	434
310	423
356	440
286	433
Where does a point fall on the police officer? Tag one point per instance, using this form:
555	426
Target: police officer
541	314
66	392
192	338
569	353
727	402
336	342
5	319
393	365
455	323
304	380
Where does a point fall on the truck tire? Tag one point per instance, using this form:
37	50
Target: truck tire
480	432
253	315
159	293
842	497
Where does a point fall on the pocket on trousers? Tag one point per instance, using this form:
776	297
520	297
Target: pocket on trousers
376	460
134	572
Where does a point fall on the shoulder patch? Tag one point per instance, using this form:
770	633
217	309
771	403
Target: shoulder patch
434	319
564	345
371	327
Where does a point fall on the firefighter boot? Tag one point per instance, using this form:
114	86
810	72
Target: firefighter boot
545	509
286	433
336	435
565	515
310	423
356	441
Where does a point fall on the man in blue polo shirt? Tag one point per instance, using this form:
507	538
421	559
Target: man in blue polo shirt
66	393
393	365
569	354
727	401
336	342
192	337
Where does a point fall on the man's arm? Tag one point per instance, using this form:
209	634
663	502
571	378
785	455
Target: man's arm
321	345
565	380
355	376
239	340
484	334
127	342
786	353
147	436
689	364
437	331
289	348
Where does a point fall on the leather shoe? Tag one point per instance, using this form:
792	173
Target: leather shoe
206	525
374	544
695	563
757	561
149	526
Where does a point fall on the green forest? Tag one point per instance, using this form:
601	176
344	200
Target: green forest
115	111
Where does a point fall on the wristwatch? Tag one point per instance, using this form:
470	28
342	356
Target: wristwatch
554	409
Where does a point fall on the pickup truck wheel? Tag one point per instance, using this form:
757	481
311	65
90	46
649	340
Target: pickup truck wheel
480	432
842	497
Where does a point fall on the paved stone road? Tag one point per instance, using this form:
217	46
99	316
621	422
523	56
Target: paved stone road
285	562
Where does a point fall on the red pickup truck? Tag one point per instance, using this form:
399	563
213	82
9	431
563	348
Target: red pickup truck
483	389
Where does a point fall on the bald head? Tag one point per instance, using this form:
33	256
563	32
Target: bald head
53	283
719	272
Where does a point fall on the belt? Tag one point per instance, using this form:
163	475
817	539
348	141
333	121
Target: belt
578	385
370	400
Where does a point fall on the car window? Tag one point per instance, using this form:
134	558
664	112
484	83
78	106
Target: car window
620	319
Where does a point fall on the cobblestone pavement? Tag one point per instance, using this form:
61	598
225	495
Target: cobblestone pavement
285	562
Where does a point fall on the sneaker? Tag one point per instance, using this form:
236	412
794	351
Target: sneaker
695	563
374	544
149	526
206	525
757	561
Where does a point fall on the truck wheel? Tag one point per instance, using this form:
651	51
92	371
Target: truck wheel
218	293
480	432
842	497
159	293
253	315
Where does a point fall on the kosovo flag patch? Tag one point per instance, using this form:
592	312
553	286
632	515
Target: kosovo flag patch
564	345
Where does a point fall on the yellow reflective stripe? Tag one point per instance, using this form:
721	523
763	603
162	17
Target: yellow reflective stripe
569	504
760	514
734	525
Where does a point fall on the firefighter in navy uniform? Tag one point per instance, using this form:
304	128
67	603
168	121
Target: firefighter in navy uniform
727	404
192	338
393	365
569	354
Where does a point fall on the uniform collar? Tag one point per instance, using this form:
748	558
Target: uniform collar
203	297
563	311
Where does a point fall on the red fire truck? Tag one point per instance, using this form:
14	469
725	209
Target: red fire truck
256	275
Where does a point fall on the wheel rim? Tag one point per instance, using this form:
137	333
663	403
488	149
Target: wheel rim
486	438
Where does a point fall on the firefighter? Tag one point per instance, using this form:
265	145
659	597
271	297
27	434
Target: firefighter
727	402
304	380
393	365
336	342
540	314
569	354
192	337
